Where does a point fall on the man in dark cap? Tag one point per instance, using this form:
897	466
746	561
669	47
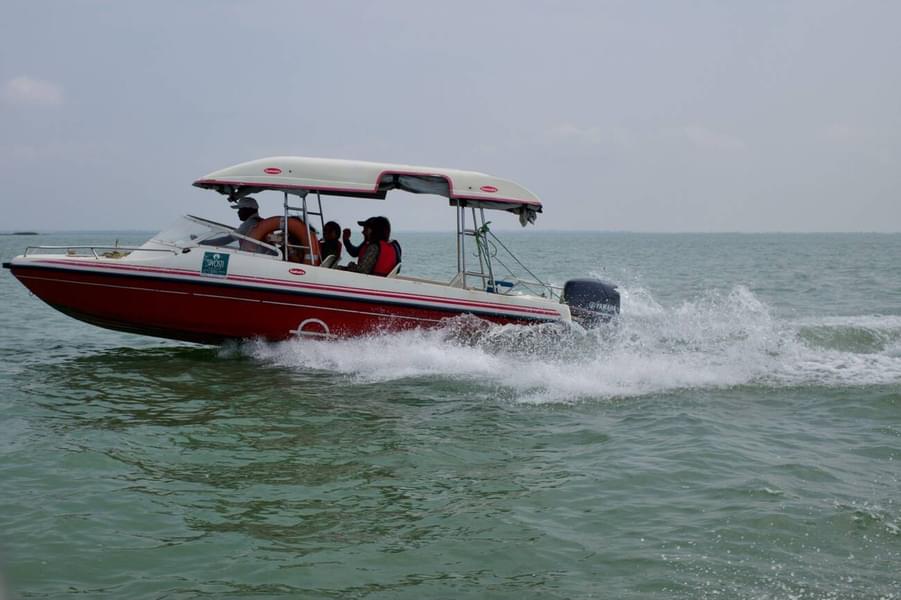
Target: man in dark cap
367	226
377	255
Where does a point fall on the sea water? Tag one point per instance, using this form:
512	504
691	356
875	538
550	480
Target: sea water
735	433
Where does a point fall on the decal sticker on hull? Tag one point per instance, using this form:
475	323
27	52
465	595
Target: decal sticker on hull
312	328
215	263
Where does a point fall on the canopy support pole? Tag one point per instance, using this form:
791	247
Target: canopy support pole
307	250
461	242
475	229
321	214
285	230
483	245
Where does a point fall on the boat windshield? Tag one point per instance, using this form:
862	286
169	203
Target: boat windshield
190	231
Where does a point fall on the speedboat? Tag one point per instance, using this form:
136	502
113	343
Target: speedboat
202	281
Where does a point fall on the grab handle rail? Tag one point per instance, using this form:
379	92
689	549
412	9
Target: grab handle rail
94	248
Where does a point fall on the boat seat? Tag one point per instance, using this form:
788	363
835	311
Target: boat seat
394	271
329	261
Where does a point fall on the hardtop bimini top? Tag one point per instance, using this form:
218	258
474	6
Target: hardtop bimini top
302	175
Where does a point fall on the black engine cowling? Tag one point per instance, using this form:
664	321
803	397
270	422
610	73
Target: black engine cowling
591	301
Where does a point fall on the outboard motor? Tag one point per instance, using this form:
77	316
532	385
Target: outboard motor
591	301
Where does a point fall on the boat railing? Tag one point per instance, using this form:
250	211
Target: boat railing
97	251
510	285
232	233
270	250
516	285
536	288
496	275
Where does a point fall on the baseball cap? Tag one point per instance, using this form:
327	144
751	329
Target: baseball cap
246	203
371	221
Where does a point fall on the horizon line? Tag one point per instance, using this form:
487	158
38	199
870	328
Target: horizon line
29	232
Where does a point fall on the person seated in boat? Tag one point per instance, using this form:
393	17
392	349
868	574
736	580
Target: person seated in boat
330	245
249	214
387	225
352	249
368	226
377	254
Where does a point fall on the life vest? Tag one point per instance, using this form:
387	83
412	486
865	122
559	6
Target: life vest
298	230
388	259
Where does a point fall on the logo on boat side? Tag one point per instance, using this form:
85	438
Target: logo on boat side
312	328
214	263
297	272
488	188
272	171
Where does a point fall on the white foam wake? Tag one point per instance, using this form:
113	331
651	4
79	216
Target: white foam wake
719	340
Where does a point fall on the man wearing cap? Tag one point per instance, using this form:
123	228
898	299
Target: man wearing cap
367	226
248	212
377	255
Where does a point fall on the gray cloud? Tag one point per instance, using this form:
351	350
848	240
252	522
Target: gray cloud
645	116
27	91
707	139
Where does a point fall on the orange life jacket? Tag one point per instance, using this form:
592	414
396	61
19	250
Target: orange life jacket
387	260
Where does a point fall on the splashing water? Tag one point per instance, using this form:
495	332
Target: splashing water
719	340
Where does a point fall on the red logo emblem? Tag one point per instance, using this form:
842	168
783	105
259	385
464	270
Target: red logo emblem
297	272
488	188
272	171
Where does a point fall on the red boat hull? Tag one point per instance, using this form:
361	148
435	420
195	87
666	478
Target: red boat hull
213	311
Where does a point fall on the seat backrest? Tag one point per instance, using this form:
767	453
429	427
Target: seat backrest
394	271
329	261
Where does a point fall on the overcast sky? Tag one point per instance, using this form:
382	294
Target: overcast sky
621	115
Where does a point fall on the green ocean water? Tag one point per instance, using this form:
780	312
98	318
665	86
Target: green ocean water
736	434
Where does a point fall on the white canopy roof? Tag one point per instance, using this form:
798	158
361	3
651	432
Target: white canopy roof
302	175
